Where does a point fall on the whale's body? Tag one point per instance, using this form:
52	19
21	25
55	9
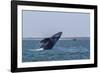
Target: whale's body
48	43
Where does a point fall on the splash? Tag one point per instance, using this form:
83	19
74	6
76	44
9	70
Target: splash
39	49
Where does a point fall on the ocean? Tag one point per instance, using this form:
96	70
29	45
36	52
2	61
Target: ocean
64	49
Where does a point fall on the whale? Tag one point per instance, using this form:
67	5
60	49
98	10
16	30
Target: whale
48	43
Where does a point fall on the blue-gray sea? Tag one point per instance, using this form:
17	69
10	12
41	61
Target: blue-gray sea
64	49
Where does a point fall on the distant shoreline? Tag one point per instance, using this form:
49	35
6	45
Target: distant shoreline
65	38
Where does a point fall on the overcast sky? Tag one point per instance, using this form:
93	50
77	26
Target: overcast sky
38	24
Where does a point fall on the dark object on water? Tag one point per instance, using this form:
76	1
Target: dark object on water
74	39
48	43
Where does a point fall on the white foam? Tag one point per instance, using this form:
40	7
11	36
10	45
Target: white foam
39	49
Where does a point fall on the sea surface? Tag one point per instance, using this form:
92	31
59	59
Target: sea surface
64	49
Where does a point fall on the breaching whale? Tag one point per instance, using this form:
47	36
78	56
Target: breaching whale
48	43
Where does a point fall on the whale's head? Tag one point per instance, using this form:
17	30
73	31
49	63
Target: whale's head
56	36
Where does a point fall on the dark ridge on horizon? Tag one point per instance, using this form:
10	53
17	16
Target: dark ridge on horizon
70	38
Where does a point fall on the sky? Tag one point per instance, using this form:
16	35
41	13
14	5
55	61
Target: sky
40	24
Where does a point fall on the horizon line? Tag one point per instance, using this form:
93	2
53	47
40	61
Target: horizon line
61	37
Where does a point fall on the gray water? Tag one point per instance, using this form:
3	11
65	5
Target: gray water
63	50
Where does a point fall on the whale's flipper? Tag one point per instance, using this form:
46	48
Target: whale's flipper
44	40
48	43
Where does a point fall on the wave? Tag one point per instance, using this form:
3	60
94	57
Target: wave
63	49
72	49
